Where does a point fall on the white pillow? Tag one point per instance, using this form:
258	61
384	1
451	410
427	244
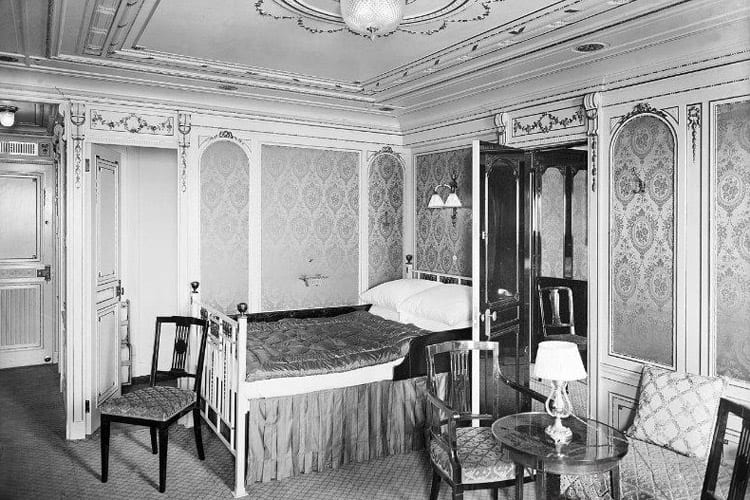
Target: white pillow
433	326
449	304
384	312
392	293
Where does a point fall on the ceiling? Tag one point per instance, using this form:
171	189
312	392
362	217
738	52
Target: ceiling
258	46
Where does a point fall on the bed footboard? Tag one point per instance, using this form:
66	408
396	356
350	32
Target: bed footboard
220	400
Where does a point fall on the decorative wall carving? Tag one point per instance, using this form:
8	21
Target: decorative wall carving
694	124
592	103
183	127
437	240
224	173
501	124
385	217
310	226
547	121
117	121
77	119
730	237
642	240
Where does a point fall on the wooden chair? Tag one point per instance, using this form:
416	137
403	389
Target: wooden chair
159	406
553	327
741	470
466	458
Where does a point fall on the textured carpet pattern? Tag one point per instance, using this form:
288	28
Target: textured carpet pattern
37	463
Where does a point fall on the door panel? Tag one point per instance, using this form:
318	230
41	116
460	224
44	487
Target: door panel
27	335
106	267
502	244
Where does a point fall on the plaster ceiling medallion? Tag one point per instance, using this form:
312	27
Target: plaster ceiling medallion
376	18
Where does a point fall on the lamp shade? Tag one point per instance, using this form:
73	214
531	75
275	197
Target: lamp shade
452	201
435	201
560	361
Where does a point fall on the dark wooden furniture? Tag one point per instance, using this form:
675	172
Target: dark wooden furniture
466	458
159	406
741	470
595	447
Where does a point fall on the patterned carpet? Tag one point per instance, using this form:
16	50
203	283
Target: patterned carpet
37	463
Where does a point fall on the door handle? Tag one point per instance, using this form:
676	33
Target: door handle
45	273
489	317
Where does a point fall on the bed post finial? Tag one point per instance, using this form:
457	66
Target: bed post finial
242	308
194	285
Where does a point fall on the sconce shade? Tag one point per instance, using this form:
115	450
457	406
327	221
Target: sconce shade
452	201
436	201
7	115
556	360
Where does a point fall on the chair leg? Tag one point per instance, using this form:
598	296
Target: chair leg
105	448
435	489
154	448
197	430
458	492
163	436
493	493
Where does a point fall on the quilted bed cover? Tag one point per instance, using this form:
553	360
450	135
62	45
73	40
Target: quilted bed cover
296	347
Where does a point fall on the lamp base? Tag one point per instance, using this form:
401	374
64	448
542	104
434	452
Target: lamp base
558	432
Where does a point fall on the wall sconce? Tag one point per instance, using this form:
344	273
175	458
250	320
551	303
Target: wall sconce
452	201
7	115
638	185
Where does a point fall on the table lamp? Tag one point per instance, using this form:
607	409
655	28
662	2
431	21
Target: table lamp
560	363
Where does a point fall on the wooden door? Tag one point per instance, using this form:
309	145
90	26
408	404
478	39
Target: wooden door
502	242
107	286
27	261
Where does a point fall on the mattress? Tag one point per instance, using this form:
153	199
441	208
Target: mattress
293	348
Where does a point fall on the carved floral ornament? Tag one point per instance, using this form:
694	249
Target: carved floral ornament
133	123
547	121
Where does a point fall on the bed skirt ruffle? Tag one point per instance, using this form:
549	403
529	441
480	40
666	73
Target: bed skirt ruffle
293	435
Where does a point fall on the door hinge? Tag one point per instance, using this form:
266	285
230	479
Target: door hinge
484	235
88	406
119	289
88	165
45	273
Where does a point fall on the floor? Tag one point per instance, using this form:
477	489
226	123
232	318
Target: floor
36	462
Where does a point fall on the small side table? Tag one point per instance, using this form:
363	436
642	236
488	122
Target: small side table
595	447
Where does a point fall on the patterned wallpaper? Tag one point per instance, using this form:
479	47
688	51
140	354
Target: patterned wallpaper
642	241
385	219
579	221
310	227
224	175
730	234
552	222
437	240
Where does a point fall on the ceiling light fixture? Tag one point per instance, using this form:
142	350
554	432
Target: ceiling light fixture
372	17
7	115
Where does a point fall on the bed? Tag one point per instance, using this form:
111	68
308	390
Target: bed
321	415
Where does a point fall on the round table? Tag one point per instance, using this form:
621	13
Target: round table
594	447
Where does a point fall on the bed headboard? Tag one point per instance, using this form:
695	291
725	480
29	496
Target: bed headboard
410	272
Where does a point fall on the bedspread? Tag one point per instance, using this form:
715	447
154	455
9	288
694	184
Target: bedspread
295	347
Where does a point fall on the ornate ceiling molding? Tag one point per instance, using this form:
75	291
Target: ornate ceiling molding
420	17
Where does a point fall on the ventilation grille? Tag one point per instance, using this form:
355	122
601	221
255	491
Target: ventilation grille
19	148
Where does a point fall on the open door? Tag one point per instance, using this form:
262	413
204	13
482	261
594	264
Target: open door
501	174
107	286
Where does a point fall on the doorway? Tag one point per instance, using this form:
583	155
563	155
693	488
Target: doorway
134	264
532	217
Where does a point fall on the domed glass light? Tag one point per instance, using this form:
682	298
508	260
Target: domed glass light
372	18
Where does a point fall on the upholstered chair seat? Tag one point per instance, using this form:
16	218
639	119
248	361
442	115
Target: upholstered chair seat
152	403
481	457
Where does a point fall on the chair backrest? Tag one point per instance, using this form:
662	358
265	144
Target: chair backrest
741	470
449	373
183	326
556	319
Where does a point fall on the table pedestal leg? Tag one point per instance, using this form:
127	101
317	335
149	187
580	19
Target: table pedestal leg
519	481
614	477
547	486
